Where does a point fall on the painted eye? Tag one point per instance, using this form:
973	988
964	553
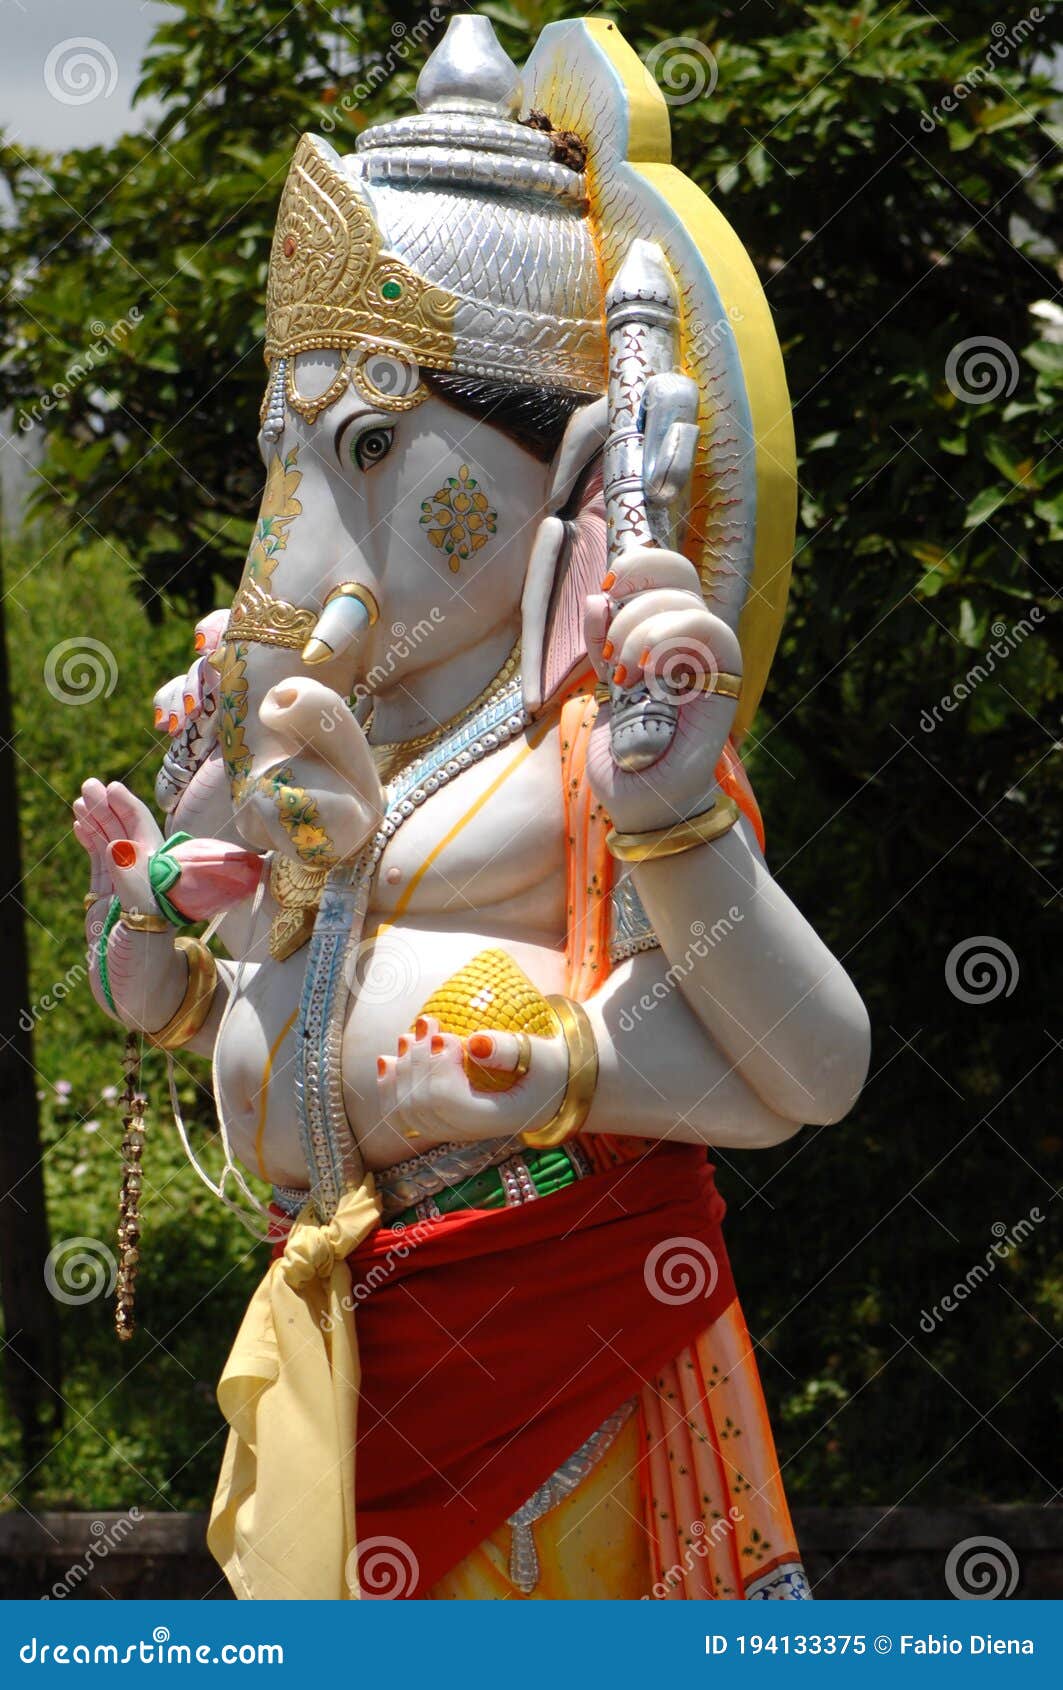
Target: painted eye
371	446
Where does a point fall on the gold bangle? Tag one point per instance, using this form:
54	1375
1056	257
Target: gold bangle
145	921
582	1077
719	681
92	898
681	836
194	1007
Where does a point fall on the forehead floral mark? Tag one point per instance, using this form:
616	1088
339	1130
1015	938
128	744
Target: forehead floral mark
458	517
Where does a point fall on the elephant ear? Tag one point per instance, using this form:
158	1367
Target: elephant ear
567	562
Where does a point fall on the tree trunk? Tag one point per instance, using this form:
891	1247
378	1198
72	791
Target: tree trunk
31	1355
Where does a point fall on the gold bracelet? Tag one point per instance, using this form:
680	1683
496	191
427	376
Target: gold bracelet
145	921
582	1077
718	681
92	898
681	836
194	1007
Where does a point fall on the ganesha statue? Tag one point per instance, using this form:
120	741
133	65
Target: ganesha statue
494	958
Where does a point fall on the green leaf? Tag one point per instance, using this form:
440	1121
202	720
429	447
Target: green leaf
1046	356
983	505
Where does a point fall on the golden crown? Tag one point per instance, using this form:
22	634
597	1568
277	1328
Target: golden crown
330	282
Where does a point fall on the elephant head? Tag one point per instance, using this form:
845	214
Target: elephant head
437	354
429	339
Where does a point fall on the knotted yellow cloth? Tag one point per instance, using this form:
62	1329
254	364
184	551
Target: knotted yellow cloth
283	1523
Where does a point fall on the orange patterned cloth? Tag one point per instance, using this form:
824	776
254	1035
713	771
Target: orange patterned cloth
713	1503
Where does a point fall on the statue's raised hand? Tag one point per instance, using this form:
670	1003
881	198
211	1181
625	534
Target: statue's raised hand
323	801
186	708
650	623
105	816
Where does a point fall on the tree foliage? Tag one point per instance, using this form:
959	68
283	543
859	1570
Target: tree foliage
895	175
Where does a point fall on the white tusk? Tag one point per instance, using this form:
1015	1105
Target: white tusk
349	610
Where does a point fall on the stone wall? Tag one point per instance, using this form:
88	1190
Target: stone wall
849	1552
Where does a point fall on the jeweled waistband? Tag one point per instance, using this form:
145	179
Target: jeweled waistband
421	1178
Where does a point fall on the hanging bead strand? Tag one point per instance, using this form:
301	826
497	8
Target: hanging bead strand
134	1106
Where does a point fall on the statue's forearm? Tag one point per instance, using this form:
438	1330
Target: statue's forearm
662	1074
148	978
778	1004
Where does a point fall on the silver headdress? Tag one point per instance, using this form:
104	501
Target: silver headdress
451	238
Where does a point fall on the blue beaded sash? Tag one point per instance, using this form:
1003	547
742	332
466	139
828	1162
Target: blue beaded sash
328	1141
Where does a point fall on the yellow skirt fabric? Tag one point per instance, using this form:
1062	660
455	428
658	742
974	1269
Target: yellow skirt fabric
592	1547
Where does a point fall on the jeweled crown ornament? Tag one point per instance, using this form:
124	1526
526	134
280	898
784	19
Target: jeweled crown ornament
451	238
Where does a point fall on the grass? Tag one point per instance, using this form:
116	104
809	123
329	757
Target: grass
141	1424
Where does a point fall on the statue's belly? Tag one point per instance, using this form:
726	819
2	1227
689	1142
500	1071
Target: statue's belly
399	967
255	1070
398	972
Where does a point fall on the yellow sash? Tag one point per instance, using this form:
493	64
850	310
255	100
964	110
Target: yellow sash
283	1523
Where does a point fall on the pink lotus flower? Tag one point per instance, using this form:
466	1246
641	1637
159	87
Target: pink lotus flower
214	876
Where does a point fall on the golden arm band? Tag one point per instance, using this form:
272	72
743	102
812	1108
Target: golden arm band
194	1007
680	836
582	1076
145	921
718	681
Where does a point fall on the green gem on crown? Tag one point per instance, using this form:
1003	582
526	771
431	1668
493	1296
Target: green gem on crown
391	290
